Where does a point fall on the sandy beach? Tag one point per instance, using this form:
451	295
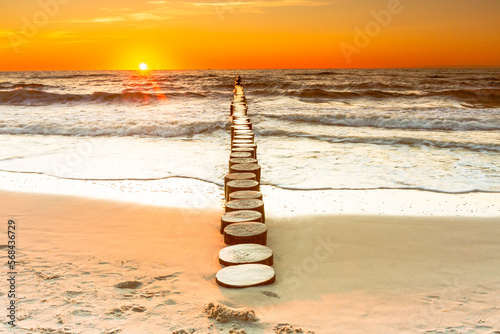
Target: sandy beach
250	167
101	266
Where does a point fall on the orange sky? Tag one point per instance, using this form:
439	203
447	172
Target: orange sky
218	34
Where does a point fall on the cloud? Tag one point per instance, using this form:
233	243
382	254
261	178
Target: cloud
5	33
145	16
256	6
171	9
59	35
75	41
264	4
108	19
64	37
223	3
117	10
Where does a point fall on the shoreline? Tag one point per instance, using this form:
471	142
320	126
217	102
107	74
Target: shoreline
219	184
317	165
338	273
187	192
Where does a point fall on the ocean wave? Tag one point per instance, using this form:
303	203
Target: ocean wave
371	85
407	141
487	98
33	97
480	98
10	85
314	73
226	87
84	75
269	87
338	90
319	93
395	122
345	92
116	130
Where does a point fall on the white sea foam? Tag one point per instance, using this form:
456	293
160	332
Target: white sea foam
418	129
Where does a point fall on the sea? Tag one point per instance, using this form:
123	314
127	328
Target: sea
337	129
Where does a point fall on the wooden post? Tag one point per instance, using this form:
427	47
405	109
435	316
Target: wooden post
245	194
245	233
238	185
237	176
245	149
248	261
235	161
246	168
240	155
247	204
242	141
241	132
245	137
245	276
246	254
242	216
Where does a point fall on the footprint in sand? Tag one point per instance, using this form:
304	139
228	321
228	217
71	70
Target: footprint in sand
138	309
129	285
46	277
183	331
165	277
148	294
287	328
270	294
81	313
119	311
73	294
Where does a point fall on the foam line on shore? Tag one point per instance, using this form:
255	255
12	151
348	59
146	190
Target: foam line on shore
188	192
221	185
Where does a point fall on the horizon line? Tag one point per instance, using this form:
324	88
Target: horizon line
257	69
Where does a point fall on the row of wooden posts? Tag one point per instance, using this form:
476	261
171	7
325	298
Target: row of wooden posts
246	259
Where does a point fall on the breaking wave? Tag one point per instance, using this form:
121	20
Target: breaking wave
34	97
407	141
476	98
396	122
117	129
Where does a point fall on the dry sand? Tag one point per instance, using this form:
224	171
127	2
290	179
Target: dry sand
100	266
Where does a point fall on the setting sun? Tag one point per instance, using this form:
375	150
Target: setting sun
143	66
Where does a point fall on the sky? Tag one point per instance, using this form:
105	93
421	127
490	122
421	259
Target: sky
247	34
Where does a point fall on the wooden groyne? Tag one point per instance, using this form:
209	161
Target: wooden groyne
246	258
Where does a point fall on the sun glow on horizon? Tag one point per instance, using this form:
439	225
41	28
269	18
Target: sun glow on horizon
124	35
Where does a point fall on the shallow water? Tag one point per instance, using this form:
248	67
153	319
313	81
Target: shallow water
316	129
